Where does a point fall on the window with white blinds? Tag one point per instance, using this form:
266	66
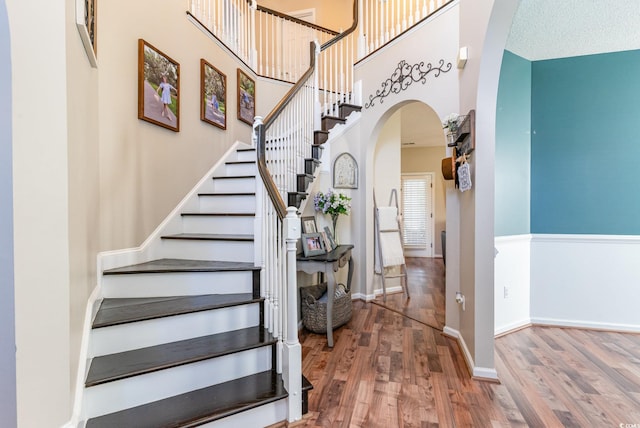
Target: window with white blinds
416	211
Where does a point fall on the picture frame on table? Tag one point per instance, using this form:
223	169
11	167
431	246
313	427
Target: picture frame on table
312	244
213	95
309	224
246	98
331	239
158	87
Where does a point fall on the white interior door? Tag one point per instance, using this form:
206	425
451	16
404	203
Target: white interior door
417	209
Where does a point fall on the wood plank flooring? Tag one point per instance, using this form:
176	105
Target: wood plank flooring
425	280
387	370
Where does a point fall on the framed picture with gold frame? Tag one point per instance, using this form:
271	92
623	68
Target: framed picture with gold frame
246	98
158	87
213	95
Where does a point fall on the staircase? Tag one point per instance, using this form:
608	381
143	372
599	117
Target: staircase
180	341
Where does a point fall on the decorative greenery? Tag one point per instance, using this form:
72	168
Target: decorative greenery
451	122
332	203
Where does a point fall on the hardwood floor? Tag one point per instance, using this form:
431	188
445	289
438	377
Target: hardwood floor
425	279
387	370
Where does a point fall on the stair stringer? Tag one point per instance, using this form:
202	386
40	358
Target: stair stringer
318	185
172	224
129	256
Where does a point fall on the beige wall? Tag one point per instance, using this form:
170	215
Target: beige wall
332	14
145	170
428	159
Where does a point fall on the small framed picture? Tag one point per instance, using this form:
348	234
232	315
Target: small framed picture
345	172
86	22
213	95
246	98
312	244
158	87
327	243
330	238
308	224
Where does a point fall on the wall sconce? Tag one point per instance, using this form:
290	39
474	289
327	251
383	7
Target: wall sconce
463	55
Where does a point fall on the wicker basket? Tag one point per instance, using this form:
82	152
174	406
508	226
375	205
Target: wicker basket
313	302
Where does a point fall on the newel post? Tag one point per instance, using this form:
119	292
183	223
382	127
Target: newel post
292	375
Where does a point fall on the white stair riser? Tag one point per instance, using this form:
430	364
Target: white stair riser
241	225
197	249
235	185
241	169
228	204
246	155
267	414
134	391
176	284
125	337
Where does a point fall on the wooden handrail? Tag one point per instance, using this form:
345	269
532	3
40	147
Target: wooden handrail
344	34
260	128
296	20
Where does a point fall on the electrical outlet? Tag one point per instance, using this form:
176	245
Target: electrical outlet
506	292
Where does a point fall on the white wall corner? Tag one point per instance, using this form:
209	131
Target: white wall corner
480	373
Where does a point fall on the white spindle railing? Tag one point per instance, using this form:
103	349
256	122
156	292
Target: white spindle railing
381	21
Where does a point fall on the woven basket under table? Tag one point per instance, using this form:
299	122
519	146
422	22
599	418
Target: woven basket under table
313	302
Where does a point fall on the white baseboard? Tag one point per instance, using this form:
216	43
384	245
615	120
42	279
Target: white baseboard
516	325
553	322
476	372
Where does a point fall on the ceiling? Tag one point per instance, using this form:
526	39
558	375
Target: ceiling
545	29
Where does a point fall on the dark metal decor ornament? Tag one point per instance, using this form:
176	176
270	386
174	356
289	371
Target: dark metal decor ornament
404	75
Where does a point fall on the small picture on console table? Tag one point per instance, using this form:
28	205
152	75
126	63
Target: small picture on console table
312	244
332	242
308	224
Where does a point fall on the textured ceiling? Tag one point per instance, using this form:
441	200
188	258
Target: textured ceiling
545	29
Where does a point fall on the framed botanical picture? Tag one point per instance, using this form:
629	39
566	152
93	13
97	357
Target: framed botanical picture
246	98
312	244
158	87
86	14
308	224
213	95
345	172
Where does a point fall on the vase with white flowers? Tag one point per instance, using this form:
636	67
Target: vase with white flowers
334	204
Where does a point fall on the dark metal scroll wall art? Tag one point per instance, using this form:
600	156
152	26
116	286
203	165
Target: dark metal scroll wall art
404	75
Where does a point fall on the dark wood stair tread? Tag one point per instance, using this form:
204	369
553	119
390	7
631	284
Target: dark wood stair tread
306	385
108	368
246	150
181	265
240	162
123	311
232	177
218	214
209	237
201	406
228	194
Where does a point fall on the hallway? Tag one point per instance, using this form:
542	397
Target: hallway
387	370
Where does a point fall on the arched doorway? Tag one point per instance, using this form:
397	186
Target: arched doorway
409	148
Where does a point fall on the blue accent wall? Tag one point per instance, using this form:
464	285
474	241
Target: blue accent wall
585	145
513	147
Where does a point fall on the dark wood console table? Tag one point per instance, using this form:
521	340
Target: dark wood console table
328	264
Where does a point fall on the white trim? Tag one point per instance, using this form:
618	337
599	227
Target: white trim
554	322
390	290
591	239
516	325
90	312
171	224
303	14
476	372
513	238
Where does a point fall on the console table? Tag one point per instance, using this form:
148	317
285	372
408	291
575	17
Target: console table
328	264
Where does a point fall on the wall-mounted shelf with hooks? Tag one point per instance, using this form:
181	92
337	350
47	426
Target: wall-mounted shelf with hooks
464	139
